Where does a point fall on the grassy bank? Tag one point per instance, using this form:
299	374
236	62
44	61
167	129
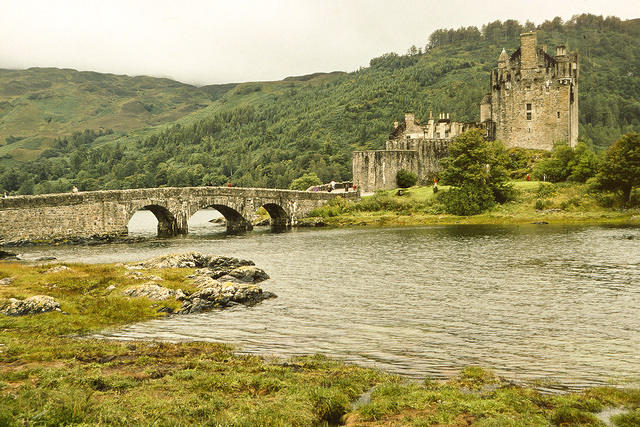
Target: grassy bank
51	375
565	203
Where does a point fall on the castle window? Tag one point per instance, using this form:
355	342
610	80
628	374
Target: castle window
529	112
558	114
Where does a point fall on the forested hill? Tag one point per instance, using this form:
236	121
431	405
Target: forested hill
267	134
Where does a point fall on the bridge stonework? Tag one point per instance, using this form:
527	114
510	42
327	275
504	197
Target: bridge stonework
107	213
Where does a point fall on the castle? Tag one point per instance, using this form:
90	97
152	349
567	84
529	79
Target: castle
533	104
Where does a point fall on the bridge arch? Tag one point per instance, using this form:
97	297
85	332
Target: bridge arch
167	222
280	219
236	222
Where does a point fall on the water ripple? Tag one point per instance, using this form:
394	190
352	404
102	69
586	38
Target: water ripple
559	304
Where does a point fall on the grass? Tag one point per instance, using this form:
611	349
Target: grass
52	374
477	397
566	203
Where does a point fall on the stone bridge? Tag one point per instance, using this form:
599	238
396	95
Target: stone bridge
107	213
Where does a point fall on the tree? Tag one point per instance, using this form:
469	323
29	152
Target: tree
406	179
474	160
305	181
566	163
584	164
620	169
478	169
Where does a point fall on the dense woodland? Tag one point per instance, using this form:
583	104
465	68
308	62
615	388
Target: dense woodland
268	134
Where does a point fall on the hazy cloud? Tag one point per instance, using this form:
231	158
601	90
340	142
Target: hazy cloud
206	42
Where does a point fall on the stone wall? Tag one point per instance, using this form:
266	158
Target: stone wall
374	170
429	153
534	97
107	213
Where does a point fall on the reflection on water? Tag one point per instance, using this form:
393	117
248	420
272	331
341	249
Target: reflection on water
143	223
533	302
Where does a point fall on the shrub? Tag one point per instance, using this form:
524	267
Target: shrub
467	200
606	200
546	190
406	179
305	181
539	205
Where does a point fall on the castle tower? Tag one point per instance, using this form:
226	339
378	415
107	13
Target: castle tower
534	96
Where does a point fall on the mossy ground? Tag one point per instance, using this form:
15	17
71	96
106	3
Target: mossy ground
51	375
565	203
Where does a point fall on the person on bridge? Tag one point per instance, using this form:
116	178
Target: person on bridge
74	189
333	185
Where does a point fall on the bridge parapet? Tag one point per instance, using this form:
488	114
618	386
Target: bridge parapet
107	212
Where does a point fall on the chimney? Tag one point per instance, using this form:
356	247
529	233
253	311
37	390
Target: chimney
447	116
430	114
561	50
528	50
395	124
409	118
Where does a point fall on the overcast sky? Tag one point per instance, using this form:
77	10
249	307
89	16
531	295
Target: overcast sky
205	42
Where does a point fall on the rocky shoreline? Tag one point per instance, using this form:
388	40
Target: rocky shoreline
220	282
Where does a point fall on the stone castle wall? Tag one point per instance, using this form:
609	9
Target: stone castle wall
429	153
534	97
550	115
373	170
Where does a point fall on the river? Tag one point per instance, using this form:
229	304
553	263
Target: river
557	304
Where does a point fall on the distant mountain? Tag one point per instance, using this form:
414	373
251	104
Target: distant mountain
40	104
268	133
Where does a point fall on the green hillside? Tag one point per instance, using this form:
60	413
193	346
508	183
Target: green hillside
40	104
268	133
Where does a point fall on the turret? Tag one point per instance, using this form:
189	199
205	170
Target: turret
503	59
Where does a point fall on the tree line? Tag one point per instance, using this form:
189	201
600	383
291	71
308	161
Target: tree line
267	135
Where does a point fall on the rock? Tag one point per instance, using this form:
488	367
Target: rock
223	295
310	222
153	291
168	310
219	220
7	255
45	258
139	276
245	274
6	281
134	274
202	282
32	305
540	222
110	288
58	269
193	260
